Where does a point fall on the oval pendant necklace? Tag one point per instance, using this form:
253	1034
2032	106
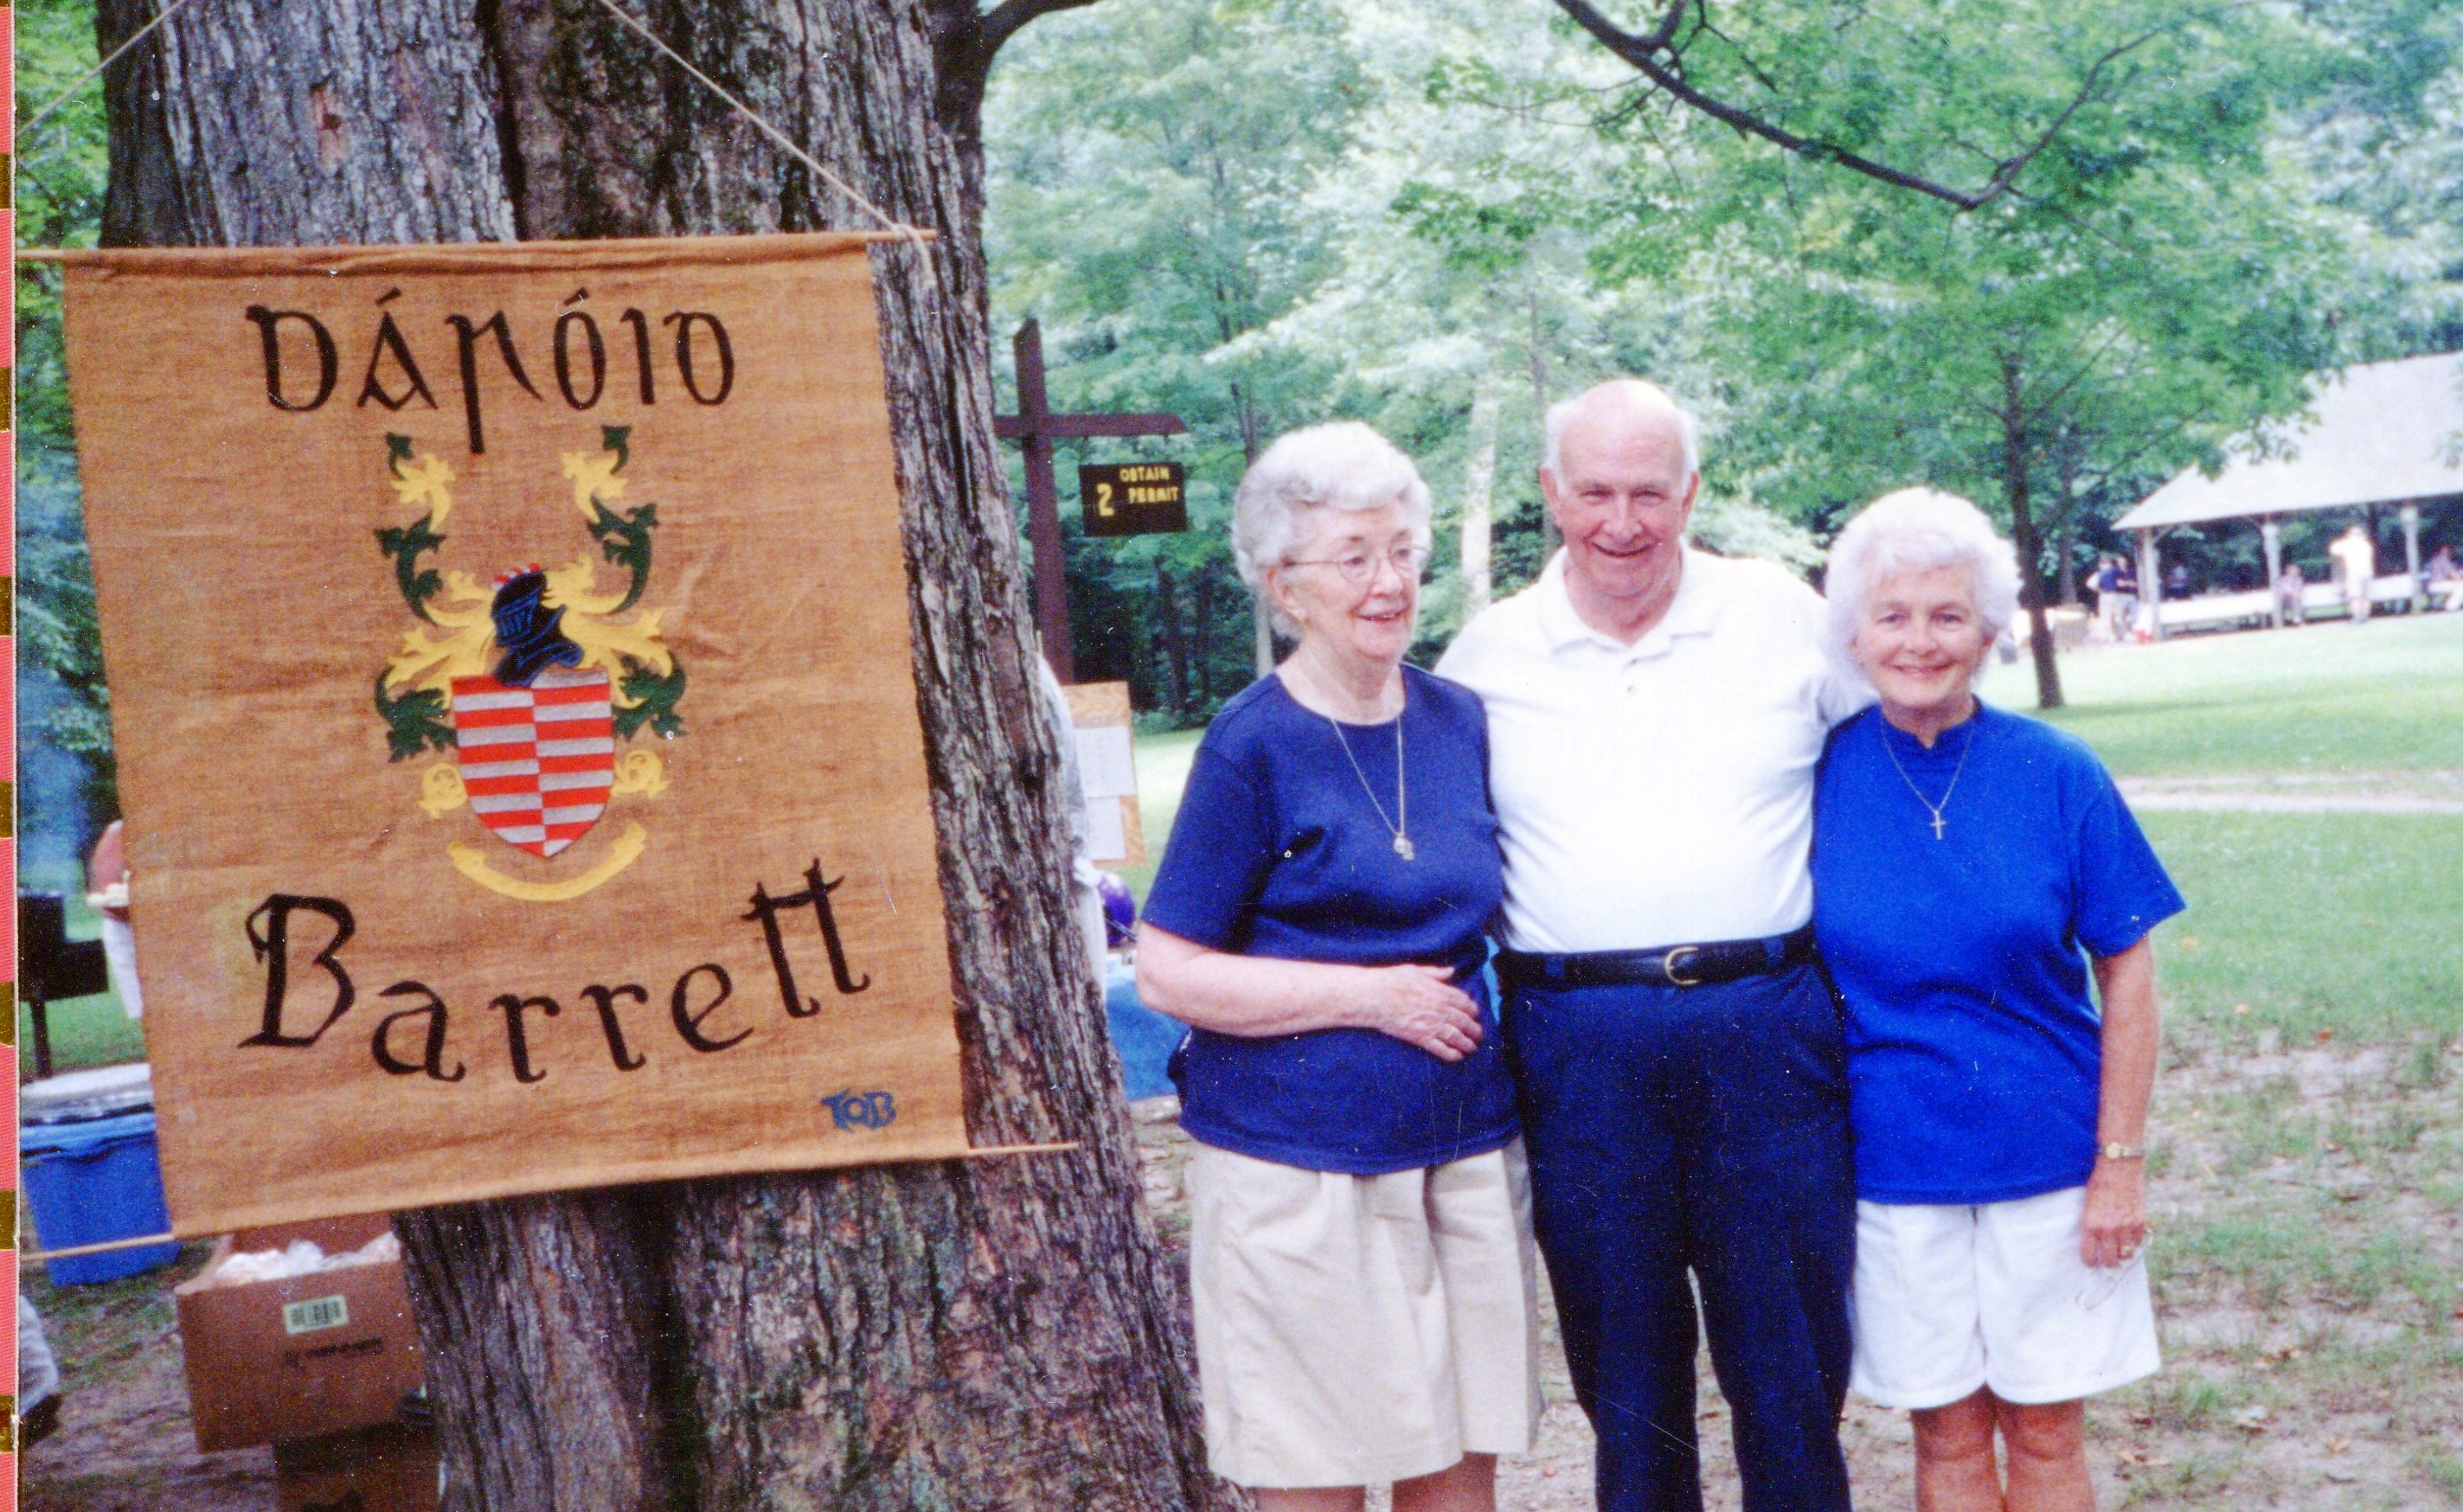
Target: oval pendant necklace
1400	824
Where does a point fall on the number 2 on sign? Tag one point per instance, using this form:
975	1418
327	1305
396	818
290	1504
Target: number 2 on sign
1103	499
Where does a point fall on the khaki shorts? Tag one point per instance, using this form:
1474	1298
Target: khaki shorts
1354	1331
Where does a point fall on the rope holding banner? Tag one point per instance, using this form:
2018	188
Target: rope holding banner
906	232
909	232
27	127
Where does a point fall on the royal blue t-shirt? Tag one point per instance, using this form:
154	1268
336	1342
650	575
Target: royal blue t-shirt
1974	1049
1277	852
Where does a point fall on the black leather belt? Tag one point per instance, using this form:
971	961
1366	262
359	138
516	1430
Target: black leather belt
1668	966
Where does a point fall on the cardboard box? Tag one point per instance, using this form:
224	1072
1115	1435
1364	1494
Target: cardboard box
390	1469
303	1356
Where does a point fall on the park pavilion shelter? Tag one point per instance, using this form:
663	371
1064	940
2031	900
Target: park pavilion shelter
2380	434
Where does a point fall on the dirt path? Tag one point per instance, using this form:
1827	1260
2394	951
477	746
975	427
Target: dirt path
125	1443
2410	792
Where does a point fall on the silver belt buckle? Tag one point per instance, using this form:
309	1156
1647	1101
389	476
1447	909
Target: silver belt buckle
1668	964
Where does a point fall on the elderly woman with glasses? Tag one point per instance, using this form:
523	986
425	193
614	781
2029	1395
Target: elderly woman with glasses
1973	870
1360	1253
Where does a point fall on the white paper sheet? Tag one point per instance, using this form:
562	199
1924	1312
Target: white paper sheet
1104	763
1107	836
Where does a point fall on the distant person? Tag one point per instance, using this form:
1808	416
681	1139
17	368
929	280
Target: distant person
2444	577
2124	589
1972	869
106	880
2291	594
2356	563
1359	1255
2176	581
2106	584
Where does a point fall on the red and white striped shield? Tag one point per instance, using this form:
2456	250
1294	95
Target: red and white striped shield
537	761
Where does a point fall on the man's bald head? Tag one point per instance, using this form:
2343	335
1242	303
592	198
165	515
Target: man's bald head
1615	404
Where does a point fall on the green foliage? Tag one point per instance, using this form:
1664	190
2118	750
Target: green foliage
1146	165
415	721
59	187
625	539
655	696
405	544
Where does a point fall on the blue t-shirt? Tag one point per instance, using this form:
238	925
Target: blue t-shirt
1974	1051
1278	851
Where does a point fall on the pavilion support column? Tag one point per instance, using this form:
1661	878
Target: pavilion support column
2150	583
2270	532
2411	517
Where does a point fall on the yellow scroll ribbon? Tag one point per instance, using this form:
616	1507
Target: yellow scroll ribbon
473	862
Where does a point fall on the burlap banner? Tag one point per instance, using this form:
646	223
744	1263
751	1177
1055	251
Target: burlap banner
509	660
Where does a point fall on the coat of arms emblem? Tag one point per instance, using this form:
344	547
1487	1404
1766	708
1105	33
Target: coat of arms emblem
533	683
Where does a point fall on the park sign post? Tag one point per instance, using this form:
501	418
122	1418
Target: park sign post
510	665
1036	428
1134	498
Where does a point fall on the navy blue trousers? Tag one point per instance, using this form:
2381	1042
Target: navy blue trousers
1704	1129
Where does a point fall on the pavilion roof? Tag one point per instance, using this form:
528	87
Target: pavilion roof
2380	433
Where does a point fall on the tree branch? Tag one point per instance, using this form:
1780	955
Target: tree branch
1003	21
1653	54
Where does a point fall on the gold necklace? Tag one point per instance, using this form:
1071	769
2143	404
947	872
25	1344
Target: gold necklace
1935	808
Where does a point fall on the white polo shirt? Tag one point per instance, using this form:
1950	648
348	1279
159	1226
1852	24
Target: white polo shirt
1659	794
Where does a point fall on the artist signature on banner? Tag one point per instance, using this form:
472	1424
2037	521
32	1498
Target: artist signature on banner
853	1109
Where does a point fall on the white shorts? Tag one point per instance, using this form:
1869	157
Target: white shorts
1360	1330
1948	1299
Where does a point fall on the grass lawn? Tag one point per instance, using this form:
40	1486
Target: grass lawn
2384	696
1163	771
2341	923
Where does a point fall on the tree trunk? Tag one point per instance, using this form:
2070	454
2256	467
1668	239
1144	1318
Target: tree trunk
1479	492
1548	536
2022	535
1175	640
1003	1333
1201	621
2066	458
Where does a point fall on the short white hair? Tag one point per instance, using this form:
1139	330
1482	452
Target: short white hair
1633	395
1341	465
1916	530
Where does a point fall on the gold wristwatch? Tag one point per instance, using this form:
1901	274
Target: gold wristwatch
2115	1149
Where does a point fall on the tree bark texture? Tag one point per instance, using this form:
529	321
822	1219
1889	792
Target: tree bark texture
2016	453
997	1333
1479	492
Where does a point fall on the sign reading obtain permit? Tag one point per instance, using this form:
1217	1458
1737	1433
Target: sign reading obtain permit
510	675
1134	498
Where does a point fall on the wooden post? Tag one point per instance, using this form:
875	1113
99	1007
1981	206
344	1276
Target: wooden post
2411	517
2269	534
2150	583
1037	427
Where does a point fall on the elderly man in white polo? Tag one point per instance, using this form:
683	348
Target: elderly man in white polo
1654	717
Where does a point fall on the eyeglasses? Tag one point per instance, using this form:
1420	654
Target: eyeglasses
1360	566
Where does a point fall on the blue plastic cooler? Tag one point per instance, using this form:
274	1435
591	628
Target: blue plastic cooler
92	1181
